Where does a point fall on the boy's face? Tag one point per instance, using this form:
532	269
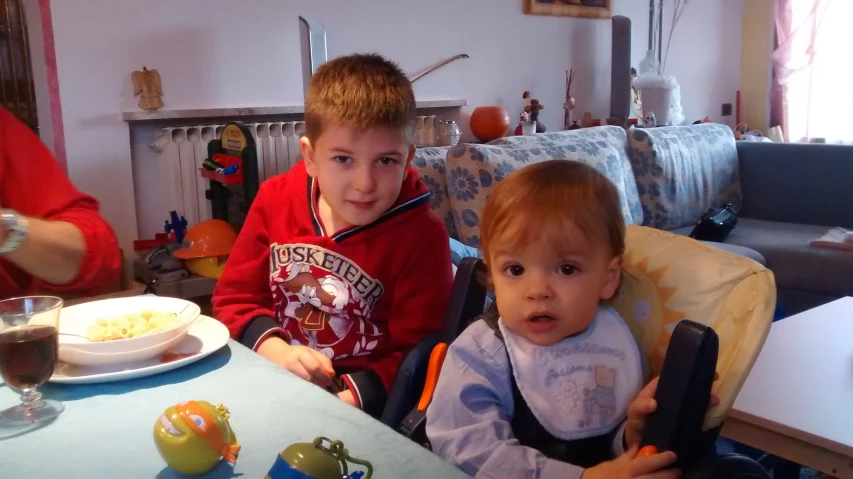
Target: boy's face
360	173
545	295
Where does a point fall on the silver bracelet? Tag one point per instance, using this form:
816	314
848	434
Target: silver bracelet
16	228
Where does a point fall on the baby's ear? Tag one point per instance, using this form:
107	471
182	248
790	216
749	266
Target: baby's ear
612	278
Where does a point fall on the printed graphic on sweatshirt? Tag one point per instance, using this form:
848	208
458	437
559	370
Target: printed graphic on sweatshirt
324	301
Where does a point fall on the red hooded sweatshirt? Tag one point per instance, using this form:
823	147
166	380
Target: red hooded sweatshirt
363	296
33	184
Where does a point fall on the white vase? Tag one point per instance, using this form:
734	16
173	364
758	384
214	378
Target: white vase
528	128
657	100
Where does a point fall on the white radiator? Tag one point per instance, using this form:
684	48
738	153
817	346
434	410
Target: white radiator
183	149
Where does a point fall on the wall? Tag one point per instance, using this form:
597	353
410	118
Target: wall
211	53
756	66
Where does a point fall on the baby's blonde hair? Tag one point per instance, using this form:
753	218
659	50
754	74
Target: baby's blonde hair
539	202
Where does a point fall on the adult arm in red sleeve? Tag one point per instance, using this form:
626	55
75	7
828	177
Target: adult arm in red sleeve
417	310
69	246
242	299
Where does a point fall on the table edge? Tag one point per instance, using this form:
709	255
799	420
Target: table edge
791	432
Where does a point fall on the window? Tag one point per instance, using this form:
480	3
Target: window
817	72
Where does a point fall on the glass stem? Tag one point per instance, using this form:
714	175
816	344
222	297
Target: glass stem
30	399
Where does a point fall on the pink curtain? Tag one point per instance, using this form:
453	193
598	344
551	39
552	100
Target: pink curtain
812	69
797	23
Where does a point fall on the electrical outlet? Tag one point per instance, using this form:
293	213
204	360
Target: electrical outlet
727	109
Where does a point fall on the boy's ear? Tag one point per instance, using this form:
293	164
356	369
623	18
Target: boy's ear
308	156
612	277
412	149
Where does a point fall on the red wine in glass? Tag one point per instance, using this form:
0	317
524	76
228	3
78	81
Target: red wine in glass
28	355
29	344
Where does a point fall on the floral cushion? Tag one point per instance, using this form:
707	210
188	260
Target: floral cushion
429	163
683	171
473	171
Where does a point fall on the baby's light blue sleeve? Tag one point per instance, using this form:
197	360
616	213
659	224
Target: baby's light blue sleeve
468	422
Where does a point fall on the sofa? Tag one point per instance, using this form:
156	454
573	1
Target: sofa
786	194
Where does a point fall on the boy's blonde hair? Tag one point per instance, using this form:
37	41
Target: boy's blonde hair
540	201
361	91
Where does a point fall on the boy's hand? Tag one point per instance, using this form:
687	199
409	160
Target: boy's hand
643	406
347	397
304	362
628	465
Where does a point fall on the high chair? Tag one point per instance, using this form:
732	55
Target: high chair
693	309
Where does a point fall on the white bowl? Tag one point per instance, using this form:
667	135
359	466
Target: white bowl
75	320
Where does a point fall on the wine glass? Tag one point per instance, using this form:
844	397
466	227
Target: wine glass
29	341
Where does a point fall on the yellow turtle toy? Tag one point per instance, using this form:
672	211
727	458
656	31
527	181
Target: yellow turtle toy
194	436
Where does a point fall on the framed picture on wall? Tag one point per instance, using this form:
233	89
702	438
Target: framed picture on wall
569	8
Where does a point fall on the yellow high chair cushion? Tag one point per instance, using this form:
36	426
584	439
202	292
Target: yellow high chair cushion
668	278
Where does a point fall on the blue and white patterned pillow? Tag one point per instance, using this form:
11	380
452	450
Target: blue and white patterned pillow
473	171
429	163
682	171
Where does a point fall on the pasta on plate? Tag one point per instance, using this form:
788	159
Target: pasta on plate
132	325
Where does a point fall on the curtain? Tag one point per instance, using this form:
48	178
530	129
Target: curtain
813	69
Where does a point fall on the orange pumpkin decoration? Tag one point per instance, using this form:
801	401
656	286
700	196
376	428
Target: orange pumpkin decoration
489	123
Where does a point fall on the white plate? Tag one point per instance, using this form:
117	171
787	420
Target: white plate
205	337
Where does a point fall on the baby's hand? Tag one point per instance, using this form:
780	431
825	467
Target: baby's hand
628	465
643	406
304	362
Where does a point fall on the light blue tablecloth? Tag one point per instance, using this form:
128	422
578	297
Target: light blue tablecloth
106	429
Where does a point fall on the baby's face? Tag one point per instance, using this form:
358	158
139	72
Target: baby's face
545	295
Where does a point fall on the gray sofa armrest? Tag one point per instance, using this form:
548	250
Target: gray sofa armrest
797	183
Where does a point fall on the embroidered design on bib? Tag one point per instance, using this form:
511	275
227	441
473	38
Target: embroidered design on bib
581	386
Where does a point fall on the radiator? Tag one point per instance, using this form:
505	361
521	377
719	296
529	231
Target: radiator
183	150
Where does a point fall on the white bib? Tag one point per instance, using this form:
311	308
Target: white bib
580	387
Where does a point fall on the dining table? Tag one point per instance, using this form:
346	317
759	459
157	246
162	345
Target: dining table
106	430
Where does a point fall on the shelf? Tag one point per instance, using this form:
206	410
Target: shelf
255	111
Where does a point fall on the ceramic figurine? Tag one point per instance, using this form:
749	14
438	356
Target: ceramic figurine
532	106
147	83
194	436
650	120
316	461
524	119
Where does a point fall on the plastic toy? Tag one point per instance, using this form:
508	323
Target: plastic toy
194	436
177	226
232	168
316	461
210	243
160	239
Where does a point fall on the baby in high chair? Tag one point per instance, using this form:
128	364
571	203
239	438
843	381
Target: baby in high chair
554	386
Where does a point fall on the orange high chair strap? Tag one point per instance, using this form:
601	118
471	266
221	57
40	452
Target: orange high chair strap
436	359
207	430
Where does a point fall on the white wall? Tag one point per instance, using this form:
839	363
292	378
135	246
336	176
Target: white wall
215	53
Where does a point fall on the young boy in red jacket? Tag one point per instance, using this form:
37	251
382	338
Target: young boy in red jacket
340	267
